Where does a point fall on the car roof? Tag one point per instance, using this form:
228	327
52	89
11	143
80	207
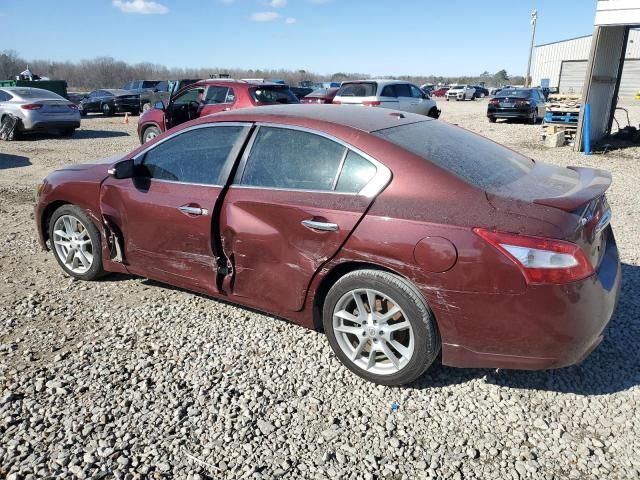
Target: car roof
351	116
379	81
20	91
233	82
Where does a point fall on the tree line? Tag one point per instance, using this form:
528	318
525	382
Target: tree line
107	72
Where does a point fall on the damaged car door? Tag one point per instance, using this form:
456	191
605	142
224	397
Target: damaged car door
163	215
295	198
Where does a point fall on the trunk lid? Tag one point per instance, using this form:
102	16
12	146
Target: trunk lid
577	192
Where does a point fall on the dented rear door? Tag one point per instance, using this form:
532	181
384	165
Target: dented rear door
296	198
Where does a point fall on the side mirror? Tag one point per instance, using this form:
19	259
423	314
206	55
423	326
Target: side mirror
159	105
124	169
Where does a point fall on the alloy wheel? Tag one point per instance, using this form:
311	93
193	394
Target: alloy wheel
72	244
373	331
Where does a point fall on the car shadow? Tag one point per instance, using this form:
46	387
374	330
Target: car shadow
614	366
13	161
85	134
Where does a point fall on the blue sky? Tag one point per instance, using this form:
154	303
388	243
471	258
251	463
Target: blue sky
377	37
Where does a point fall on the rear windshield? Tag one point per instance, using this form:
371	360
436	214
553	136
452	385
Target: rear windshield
473	158
360	89
512	92
273	94
36	93
149	83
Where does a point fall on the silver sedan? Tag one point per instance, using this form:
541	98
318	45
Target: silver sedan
38	110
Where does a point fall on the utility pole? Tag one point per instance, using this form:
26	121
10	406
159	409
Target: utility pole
534	20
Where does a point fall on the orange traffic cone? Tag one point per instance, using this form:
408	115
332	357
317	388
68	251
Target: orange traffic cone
126	118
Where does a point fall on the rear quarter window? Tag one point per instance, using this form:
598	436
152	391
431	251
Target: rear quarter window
273	94
472	158
360	89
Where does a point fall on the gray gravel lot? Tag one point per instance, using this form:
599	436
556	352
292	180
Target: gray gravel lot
127	378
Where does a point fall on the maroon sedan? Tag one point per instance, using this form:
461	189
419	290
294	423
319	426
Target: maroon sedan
207	97
399	235
321	95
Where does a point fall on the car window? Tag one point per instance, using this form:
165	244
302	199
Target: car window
273	94
189	96
416	92
473	158
149	84
355	174
216	95
389	91
360	89
403	90
128	86
4	97
231	96
293	159
195	156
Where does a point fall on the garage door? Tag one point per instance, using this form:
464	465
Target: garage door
630	82
572	77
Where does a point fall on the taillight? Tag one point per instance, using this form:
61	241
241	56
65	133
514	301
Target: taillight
371	103
522	103
541	260
31	106
494	102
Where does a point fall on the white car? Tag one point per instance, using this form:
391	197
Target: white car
460	92
394	94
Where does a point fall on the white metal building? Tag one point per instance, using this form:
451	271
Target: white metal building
564	63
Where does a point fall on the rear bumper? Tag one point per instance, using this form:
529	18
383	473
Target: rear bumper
46	125
521	113
545	327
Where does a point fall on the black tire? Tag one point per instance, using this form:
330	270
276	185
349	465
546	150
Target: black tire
433	113
107	111
417	312
447	99
10	131
67	132
83	112
534	117
150	133
95	271
492	119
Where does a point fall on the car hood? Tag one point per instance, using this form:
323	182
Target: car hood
100	164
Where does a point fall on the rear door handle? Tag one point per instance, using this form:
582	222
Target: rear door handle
193	210
324	226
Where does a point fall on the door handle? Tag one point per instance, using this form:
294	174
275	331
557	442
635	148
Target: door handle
193	210
324	226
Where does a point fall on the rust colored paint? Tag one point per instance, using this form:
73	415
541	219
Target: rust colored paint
435	254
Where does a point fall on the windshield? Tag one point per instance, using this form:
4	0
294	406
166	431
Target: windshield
512	92
149	83
360	89
472	158
273	94
458	87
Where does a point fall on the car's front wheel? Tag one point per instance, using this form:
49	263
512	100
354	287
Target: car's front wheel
380	327
75	242
107	111
150	133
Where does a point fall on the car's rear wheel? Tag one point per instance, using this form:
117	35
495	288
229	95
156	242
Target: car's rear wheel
75	242
534	117
492	119
380	327
433	113
9	126
107	111
150	133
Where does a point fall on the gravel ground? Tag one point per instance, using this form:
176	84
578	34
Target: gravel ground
127	378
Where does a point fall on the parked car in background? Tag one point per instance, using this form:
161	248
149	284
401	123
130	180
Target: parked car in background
395	94
38	110
495	90
480	91
206	97
139	86
301	92
517	103
460	92
162	92
402	237
110	102
440	92
321	95
428	88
